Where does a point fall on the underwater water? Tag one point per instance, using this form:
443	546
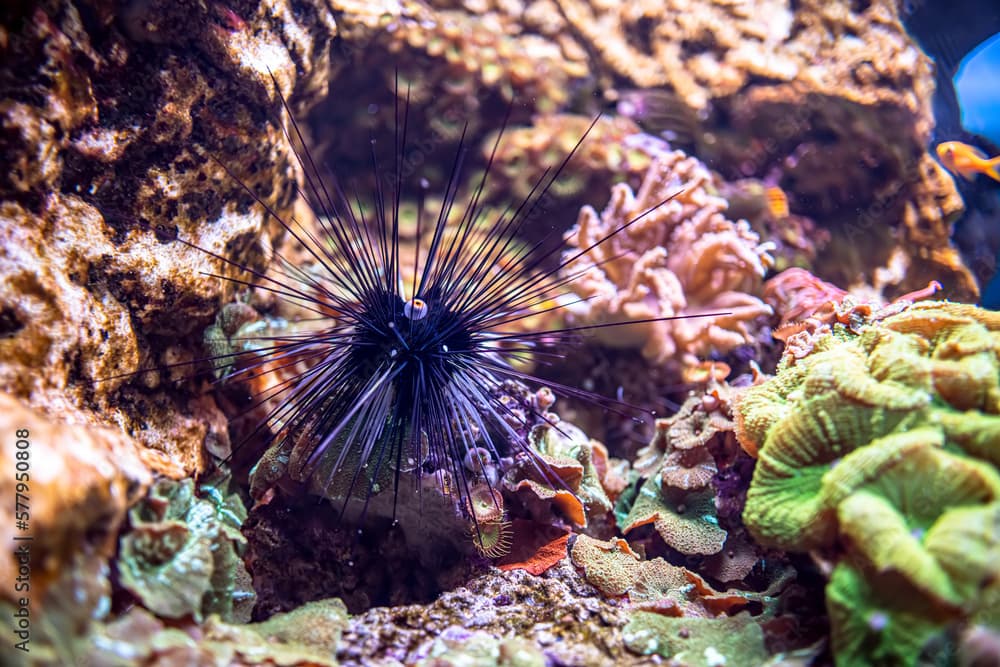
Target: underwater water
976	85
500	332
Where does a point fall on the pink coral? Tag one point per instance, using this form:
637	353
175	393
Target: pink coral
679	255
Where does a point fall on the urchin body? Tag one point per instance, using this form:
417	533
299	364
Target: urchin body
402	380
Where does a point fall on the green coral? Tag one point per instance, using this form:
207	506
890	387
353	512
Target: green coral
881	446
687	521
182	556
570	479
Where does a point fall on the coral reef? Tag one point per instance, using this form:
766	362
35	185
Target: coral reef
686	521
694	477
456	648
715	51
698	642
885	442
140	134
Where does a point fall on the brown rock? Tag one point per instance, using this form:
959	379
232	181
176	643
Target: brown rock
76	483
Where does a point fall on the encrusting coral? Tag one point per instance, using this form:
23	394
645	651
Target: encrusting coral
611	152
681	256
306	637
118	120
674	612
885	443
182	555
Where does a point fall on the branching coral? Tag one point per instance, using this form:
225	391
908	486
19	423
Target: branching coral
679	257
867	442
723	52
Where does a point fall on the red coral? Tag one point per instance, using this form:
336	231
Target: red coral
535	547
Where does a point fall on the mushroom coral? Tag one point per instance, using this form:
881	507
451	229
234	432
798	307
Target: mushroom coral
881	447
569	481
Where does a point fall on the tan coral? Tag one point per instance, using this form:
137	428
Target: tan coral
678	451
492	46
449	58
786	76
708	50
564	472
679	256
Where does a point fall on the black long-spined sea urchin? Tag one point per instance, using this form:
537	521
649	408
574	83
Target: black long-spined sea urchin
399	372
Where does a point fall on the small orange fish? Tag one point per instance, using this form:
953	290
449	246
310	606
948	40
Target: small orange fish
967	161
777	202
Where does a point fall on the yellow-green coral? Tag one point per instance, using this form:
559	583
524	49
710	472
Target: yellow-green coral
686	521
882	446
656	585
